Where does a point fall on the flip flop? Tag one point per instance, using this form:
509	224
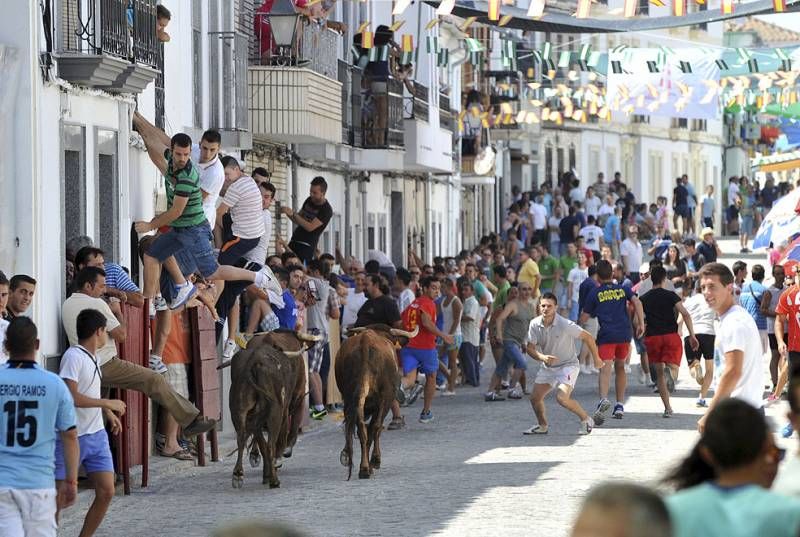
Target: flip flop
181	455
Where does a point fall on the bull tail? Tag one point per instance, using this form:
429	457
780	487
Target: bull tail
352	410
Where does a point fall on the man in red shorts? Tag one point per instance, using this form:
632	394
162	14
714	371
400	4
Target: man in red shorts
664	346
608	302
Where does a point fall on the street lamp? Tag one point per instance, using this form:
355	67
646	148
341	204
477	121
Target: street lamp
283	22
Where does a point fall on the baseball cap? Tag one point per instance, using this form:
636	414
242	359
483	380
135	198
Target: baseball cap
706	231
644	268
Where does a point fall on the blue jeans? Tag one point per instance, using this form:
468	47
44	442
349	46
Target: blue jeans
512	355
195	240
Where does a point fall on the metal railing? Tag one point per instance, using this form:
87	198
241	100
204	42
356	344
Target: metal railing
229	107
316	48
416	105
121	28
159	90
372	110
446	115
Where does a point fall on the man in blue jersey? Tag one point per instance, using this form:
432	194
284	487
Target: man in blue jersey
35	404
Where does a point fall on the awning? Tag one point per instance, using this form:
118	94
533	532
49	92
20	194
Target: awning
777	163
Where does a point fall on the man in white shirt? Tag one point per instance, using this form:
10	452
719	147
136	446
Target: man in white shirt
539	216
631	252
592	236
592	203
737	339
82	376
355	299
212	176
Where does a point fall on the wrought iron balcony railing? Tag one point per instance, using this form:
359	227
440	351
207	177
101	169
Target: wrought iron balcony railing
229	107
372	110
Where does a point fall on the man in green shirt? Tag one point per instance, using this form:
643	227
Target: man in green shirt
549	268
502	284
567	262
183	227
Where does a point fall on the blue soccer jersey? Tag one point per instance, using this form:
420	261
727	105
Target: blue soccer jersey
609	303
34	406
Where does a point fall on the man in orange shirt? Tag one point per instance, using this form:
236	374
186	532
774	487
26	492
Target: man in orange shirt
788	311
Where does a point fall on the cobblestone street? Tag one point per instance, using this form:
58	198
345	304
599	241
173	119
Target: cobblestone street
471	472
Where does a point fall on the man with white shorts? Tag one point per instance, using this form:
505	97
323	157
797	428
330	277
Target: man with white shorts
35	407
552	340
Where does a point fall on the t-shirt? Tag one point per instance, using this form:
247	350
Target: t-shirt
611	230
788	480
79	365
244	199
3	326
576	277
501	296
317	313
381	310
708	251
591	236
745	511
259	253
567	263
351	307
287	315
631	252
470	330
178	348
576	194
34	405
411	319
567	229
69	318
184	183
405	299
609	303
659	312
539	214
733	193
707	206
789	305
680	196
737	332
309	211
528	273
212	177
548	265
592	205
116	278
691	199
558	340
702	315
584	289
750	299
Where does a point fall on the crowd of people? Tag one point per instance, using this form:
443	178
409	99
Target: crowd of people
575	280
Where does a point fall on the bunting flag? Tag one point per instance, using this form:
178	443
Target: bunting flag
494	10
406	58
658	3
356	52
443	57
431	24
630	8
362	27
583	9
594	60
379	54
505	19
509	54
616	67
473	45
366	39
722	64
467	23
727	7
652	66
396	26
536	8
752	65
407	41
476	58
563	59
446	7
786	62
547	48
400	6
678	8
685	67
432	43
583	56
779	5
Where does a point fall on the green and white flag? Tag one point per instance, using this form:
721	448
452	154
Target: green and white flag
476	58
406	57
563	59
685	67
547	48
722	64
584	56
432	44
379	54
356	52
443	57
473	45
744	54
786	62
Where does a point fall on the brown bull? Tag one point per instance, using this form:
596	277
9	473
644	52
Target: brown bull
268	382
367	377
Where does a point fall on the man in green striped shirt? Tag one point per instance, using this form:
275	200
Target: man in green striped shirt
183	227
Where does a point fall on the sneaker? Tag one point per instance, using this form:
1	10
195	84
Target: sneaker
642	376
787	431
400	394
618	411
266	280
504	385
701	403
200	424
185	293
318	414
515	394
670	380
441	387
414	394
242	340
697	373
230	349
585	369
159	304
448	393
536	429
493	396
593	370
426	417
651	384
157	365
397	423
599	416
586	426
667	413
628	368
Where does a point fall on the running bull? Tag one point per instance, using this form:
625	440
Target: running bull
268	382
368	379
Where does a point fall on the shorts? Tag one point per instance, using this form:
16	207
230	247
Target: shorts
177	376
733	212
187	265
195	240
235	249
613	351
682	211
708	222
773	342
512	355
573	312
303	251
317	352
746	224
664	349
95	454
705	350
591	326
555	376
269	323
232	290
457	339
639	344
482	336
30	512
425	359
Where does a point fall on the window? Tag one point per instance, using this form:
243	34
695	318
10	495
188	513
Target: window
107	193
640	119
644	7
560	157
572	158
611	160
382	232
699	125
74	186
197	63
371	231
548	163
679	123
594	160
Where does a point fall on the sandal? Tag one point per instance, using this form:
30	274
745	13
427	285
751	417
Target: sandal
181	455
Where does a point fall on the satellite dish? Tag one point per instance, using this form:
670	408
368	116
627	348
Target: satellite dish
484	162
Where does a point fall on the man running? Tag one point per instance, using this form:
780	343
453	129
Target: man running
608	302
36	408
664	349
551	340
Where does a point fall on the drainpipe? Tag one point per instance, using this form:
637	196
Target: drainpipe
348	241
294	180
362	188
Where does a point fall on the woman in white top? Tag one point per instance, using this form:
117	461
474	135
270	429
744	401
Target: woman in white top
451	317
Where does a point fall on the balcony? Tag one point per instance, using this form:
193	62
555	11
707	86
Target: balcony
227	54
429	148
416	104
107	44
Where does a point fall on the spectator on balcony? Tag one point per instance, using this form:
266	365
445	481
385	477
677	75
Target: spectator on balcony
311	220
119	285
471	141
377	75
21	289
116	373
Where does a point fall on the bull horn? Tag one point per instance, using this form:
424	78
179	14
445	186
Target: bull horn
404	333
356	330
292	354
305	336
